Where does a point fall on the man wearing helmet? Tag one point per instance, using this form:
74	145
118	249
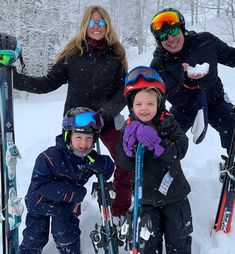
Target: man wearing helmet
197	97
165	187
57	184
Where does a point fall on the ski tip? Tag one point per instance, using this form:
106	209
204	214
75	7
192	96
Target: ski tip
212	232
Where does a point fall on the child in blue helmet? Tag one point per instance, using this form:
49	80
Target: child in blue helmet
165	208
57	184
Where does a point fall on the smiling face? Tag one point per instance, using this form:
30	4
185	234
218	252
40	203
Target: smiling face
96	32
174	44
145	105
81	141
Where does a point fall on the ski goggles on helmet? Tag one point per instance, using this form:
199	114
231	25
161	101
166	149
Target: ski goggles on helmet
169	17
151	78
99	23
84	120
144	71
8	56
174	31
5	58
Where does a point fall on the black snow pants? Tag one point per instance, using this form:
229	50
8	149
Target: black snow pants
66	234
171	223
221	117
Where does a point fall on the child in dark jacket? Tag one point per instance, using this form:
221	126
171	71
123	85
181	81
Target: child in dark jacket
165	187
57	184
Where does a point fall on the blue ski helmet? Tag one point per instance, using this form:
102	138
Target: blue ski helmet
82	120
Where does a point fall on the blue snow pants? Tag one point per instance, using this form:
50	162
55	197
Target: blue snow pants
174	223
221	117
65	231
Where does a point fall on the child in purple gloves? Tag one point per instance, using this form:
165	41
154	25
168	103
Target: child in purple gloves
165	187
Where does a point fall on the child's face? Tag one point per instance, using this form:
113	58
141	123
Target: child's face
145	105
81	141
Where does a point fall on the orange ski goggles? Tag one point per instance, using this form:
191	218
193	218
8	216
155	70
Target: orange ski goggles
169	17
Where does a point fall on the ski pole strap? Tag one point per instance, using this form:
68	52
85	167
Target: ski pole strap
2	217
231	176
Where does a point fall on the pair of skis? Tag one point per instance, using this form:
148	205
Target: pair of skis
223	220
106	237
11	206
137	227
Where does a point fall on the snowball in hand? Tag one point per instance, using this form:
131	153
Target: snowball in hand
199	69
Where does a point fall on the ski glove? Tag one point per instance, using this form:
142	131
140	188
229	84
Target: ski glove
105	114
103	164
148	136
201	120
129	137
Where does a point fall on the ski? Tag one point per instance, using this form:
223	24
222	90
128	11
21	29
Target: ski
223	220
136	228
105	236
138	195
11	206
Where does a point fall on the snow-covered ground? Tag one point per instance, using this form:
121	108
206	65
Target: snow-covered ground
38	121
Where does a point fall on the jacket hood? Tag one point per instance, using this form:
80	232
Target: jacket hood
60	143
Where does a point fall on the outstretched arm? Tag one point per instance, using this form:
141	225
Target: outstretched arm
45	84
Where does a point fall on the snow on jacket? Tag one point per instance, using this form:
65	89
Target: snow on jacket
198	48
175	143
58	180
95	81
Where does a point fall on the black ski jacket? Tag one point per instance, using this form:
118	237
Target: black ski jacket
94	81
175	143
198	49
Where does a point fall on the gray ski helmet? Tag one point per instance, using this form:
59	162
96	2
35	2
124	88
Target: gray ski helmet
82	120
169	17
10	49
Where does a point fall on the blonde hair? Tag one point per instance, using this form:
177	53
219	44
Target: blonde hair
76	44
158	93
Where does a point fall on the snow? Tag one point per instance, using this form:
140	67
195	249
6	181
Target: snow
199	69
38	120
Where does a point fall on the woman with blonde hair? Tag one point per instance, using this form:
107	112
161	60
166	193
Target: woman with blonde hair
76	44
94	65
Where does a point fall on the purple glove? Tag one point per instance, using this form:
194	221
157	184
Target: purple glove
148	136
129	137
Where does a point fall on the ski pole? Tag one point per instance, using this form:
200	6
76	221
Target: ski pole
107	237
